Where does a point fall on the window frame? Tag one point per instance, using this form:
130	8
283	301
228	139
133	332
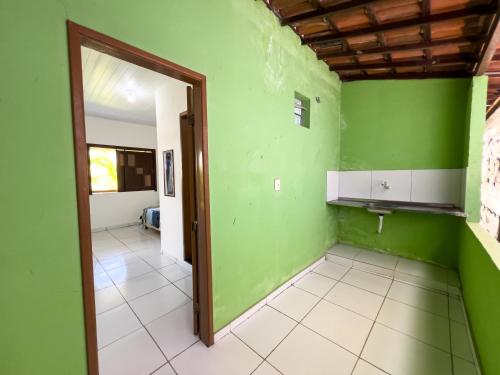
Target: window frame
304	109
123	148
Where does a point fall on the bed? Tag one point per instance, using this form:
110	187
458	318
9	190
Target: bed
151	218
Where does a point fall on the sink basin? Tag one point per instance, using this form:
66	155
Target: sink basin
388	207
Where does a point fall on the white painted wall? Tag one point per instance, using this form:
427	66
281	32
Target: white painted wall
117	209
119	133
108	210
170	102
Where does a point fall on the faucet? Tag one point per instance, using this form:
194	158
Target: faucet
385	185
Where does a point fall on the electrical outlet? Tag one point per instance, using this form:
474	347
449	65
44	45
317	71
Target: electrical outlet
277	184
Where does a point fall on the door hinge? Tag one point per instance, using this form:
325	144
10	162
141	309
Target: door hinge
191	120
196	307
194	226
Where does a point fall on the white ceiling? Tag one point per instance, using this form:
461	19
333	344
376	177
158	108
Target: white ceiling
119	90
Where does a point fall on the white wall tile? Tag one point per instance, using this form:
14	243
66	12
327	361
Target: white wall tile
355	184
332	185
399	185
463	187
437	186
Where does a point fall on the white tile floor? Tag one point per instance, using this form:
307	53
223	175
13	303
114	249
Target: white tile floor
358	312
143	303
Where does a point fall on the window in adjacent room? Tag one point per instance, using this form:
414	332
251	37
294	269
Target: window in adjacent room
118	169
301	110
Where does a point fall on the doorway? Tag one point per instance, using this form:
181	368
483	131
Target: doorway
196	211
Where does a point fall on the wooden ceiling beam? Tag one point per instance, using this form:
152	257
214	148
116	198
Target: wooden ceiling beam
324	11
446	59
494	106
403	47
446	16
444	74
426	31
490	46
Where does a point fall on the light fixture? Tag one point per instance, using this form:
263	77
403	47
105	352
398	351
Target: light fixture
130	95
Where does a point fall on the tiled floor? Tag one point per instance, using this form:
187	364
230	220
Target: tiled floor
358	312
143	303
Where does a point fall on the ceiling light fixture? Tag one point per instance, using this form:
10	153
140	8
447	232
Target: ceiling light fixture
130	95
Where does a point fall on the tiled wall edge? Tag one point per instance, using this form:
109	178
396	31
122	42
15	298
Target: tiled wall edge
349	185
252	310
332	185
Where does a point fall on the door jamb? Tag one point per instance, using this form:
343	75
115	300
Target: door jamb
81	36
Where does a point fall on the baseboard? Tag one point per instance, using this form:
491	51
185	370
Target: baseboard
252	310
102	229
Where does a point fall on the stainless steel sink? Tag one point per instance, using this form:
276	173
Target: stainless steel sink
387	207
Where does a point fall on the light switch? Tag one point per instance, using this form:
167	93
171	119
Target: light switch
277	184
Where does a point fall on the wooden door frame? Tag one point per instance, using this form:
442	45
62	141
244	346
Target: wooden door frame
81	36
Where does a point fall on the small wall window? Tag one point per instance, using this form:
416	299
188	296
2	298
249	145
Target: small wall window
301	110
117	169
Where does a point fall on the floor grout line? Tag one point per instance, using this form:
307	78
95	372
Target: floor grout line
178	354
143	326
449	338
371	328
393	277
320	298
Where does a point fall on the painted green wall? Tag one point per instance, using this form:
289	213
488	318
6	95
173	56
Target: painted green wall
481	292
259	237
473	150
405	124
412	235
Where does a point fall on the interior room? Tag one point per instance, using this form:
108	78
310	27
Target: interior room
142	270
261	187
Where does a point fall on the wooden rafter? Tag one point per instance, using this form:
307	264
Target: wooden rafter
446	16
398	39
380	35
448	74
332	26
426	31
325	11
490	46
493	107
403	47
448	59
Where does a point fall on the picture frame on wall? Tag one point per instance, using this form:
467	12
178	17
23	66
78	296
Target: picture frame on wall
168	173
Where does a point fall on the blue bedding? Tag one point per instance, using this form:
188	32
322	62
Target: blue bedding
151	216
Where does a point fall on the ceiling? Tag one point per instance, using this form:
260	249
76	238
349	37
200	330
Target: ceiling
119	90
394	39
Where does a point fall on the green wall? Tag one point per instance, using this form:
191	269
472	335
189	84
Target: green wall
481	292
259	237
473	150
413	235
404	124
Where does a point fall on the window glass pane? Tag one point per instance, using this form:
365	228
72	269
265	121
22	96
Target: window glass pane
103	175
301	109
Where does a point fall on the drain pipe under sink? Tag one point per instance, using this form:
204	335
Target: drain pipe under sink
380	223
381	213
